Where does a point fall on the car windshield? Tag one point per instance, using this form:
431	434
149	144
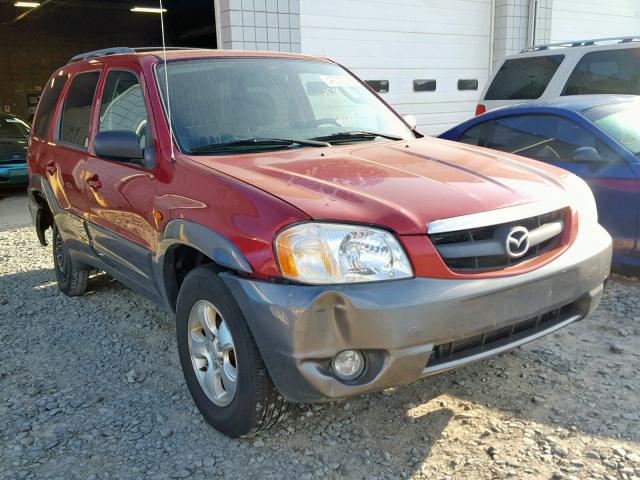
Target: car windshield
12	127
620	120
217	104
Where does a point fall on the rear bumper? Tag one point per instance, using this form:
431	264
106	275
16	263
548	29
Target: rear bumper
400	325
13	174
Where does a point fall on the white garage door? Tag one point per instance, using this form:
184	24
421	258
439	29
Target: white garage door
406	40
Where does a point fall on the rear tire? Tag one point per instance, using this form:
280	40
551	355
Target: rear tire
220	361
72	281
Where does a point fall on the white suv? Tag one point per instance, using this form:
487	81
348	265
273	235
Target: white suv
610	65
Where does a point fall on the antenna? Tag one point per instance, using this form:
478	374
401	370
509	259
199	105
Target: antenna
166	82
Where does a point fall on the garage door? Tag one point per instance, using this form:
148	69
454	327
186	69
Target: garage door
402	41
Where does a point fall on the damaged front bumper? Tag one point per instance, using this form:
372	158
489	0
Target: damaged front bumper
409	329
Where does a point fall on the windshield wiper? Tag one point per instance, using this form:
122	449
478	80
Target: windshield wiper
257	142
355	136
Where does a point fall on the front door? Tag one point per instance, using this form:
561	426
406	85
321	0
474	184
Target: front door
120	194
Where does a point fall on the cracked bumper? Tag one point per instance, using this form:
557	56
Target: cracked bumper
299	329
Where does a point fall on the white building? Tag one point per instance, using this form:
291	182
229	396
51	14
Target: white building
432	57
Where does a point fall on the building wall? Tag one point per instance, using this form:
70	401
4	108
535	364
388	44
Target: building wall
405	40
260	25
584	19
519	24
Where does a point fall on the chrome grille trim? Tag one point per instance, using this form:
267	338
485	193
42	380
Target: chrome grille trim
484	248
496	217
489	247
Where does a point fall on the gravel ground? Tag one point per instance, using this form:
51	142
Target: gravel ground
91	388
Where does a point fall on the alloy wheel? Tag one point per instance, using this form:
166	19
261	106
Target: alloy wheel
212	352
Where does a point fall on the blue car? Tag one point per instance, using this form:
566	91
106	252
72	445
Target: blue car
14	135
597	137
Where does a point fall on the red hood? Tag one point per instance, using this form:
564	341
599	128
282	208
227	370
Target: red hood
399	185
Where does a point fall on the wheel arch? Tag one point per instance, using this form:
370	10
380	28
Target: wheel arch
186	245
40	206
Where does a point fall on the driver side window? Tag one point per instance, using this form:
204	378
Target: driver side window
122	106
547	138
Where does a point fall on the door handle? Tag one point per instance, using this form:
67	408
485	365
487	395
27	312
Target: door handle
94	182
51	168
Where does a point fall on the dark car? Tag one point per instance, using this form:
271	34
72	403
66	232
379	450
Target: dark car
312	244
14	135
597	137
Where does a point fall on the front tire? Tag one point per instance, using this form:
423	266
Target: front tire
72	281
220	361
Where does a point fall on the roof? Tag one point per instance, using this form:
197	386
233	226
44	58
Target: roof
174	53
576	103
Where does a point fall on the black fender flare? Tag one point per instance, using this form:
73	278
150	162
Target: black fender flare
179	232
43	206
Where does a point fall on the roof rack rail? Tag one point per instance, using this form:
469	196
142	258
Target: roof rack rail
583	43
152	49
120	50
101	53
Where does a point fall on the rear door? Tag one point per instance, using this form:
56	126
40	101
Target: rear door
66	163
554	139
120	194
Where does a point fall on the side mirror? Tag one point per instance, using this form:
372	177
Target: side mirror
411	120
586	155
120	145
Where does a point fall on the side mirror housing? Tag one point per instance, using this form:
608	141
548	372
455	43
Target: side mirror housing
411	120
120	145
586	155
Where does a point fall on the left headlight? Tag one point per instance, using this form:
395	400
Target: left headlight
582	200
326	253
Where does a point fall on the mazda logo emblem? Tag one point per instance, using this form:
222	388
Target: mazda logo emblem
517	242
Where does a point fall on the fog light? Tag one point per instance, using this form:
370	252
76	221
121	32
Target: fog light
348	364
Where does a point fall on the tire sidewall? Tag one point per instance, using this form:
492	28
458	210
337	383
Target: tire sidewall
63	279
239	417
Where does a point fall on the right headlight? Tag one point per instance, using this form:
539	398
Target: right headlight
330	253
582	200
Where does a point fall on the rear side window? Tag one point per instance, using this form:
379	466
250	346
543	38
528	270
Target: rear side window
76	112
610	71
48	104
524	78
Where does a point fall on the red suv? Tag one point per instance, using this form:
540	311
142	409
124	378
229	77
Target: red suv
312	245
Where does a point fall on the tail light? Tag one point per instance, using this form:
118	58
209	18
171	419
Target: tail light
480	109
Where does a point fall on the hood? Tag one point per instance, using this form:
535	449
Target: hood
400	185
13	149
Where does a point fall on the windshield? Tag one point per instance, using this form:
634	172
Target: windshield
222	101
12	128
619	120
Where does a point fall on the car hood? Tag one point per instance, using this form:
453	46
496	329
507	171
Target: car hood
400	185
12	150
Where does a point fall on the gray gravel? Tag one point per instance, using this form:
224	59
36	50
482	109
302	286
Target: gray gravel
91	388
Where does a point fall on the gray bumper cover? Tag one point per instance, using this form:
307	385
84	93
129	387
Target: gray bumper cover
298	329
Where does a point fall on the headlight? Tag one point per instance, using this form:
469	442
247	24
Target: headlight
582	200
324	253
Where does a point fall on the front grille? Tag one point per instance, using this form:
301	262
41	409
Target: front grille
466	347
458	248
